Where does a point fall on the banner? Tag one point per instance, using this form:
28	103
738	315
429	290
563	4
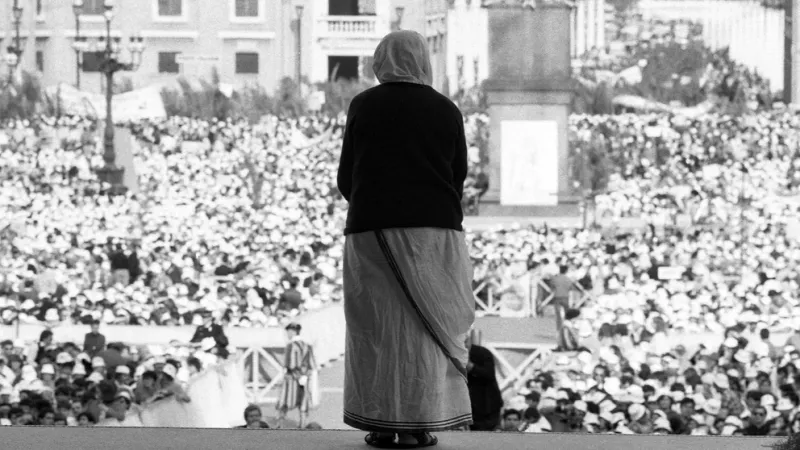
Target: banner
135	105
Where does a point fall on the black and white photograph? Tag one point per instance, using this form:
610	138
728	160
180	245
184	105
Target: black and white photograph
354	224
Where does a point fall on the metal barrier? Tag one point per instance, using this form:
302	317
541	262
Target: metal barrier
578	297
263	372
513	378
499	303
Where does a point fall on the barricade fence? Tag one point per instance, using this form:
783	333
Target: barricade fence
524	296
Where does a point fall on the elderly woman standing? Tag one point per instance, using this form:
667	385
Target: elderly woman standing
407	271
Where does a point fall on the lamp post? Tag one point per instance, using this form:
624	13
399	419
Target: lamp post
14	52
80	44
110	65
743	204
299	62
399	12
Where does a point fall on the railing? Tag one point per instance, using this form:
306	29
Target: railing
511	378
502	300
544	296
505	301
263	371
351	27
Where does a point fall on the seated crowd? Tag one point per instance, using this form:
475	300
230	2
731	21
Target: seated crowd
95	384
244	222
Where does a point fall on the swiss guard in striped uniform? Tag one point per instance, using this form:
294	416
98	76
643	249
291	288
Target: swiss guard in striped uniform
300	380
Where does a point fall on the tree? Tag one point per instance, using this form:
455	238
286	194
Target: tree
22	98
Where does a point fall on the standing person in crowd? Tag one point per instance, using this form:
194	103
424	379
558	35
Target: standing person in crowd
484	393
211	329
170	386
407	271
299	388
291	298
44	346
146	388
94	342
562	286
120	266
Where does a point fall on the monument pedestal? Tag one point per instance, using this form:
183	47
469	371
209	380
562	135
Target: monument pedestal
529	92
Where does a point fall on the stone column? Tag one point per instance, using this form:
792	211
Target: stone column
529	92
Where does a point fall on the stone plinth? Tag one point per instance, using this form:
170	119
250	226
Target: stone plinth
529	95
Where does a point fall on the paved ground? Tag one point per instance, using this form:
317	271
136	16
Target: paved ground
44	438
532	330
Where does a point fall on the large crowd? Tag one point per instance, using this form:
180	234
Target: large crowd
243	223
94	383
630	371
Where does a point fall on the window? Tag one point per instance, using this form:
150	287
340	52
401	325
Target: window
93	7
40	61
246	8
170	8
167	62
247	63
92	61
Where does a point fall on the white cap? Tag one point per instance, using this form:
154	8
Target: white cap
98	362
713	406
47	369
123	370
784	404
64	358
636	412
170	370
95	377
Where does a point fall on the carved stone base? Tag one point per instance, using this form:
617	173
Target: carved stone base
112	175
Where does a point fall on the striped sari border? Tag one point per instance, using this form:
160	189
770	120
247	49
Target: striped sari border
387	252
363	423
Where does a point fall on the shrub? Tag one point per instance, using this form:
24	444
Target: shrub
22	98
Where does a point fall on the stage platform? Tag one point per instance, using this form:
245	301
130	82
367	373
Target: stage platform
45	438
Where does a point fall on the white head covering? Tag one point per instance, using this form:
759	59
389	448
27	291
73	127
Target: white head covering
403	56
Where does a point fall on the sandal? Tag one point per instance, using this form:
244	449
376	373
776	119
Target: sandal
424	439
374	439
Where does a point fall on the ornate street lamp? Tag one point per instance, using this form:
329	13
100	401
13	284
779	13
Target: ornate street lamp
14	52
299	63
80	45
110	65
399	11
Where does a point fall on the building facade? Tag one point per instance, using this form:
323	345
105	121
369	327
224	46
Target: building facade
245	41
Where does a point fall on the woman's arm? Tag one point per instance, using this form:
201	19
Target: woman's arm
460	160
